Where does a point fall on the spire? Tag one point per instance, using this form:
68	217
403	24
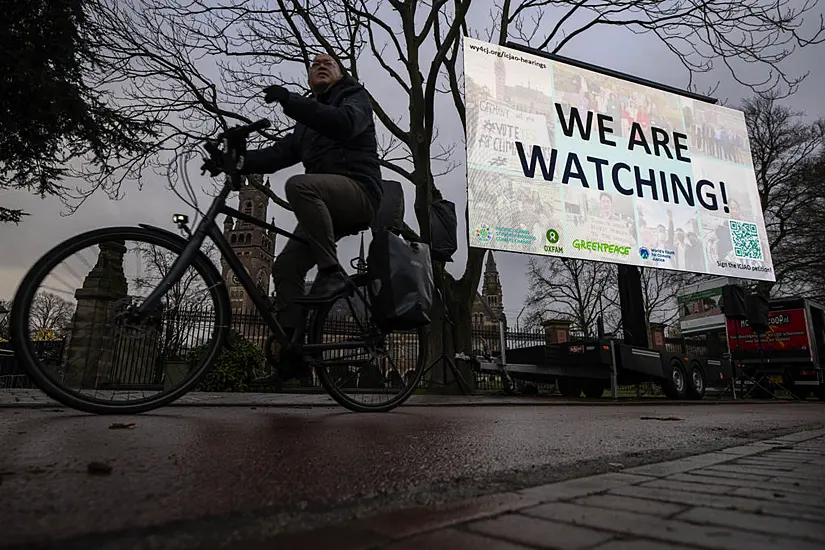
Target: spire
491	264
362	260
228	223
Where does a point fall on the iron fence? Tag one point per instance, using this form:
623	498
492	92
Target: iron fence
147	360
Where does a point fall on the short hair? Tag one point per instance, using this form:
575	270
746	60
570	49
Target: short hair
338	63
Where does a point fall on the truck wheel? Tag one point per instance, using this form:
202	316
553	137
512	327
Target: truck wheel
820	393
594	389
696	382
675	386
569	387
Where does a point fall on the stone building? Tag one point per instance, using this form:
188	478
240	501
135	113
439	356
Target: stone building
254	246
528	99
488	307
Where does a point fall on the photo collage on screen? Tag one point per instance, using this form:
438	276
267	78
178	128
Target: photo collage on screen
506	210
733	240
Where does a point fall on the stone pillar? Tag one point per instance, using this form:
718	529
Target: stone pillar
556	331
657	335
90	351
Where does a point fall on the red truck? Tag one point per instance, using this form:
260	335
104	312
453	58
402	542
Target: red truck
791	353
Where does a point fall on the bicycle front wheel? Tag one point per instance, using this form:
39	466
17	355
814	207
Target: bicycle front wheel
71	328
377	377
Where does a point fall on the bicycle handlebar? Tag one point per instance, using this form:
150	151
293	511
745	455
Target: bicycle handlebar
234	140
246	129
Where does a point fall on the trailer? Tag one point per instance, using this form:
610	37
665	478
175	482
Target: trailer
589	367
790	353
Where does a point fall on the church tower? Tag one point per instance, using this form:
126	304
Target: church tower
254	246
491	290
488	307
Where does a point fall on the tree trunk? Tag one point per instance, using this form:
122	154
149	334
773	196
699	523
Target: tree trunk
460	296
632	303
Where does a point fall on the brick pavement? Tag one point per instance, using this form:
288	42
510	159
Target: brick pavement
766	495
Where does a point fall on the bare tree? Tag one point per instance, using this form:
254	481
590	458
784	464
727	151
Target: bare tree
813	243
188	294
660	288
785	149
50	311
198	66
572	290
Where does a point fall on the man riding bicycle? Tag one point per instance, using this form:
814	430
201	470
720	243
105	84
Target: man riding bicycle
340	191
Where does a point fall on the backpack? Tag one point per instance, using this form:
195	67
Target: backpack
401	281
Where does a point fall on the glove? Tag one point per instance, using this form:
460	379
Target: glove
276	93
213	164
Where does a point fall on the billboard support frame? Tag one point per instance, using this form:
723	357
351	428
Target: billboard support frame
610	72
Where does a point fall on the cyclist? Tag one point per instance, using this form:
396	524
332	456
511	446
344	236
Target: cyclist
339	193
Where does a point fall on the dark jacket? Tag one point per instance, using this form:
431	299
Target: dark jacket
334	134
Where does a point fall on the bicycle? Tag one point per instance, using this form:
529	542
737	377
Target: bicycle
155	344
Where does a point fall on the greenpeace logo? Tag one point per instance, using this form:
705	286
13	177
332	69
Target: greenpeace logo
595	246
508	55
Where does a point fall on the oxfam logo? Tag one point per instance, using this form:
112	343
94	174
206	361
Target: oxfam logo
552	236
484	233
644	253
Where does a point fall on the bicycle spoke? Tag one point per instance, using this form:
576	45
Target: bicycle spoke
79	337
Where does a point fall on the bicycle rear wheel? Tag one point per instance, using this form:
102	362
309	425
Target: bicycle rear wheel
70	328
377	377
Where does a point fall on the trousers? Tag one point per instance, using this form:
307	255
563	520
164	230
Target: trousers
328	207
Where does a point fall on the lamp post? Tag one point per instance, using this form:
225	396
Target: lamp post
518	327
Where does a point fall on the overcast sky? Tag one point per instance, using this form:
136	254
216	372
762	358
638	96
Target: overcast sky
642	56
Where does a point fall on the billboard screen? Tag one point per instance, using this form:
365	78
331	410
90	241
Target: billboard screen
788	333
564	161
700	306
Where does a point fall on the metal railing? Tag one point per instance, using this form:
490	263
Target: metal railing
146	361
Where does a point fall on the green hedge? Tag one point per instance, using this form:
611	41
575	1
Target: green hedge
237	364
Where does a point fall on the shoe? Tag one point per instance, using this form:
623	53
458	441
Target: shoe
293	366
288	367
326	288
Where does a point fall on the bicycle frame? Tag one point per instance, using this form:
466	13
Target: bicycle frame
207	228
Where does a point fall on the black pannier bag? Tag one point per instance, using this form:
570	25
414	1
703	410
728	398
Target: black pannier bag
401	279
443	230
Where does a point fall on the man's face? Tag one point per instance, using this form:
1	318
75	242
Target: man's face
323	73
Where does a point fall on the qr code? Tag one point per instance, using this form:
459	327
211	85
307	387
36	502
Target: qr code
745	239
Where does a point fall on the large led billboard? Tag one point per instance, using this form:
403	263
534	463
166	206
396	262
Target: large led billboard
569	162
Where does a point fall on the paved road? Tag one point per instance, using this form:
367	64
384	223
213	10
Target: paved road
235	472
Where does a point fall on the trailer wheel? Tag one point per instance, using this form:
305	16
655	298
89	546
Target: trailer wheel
675	386
696	382
569	387
594	389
